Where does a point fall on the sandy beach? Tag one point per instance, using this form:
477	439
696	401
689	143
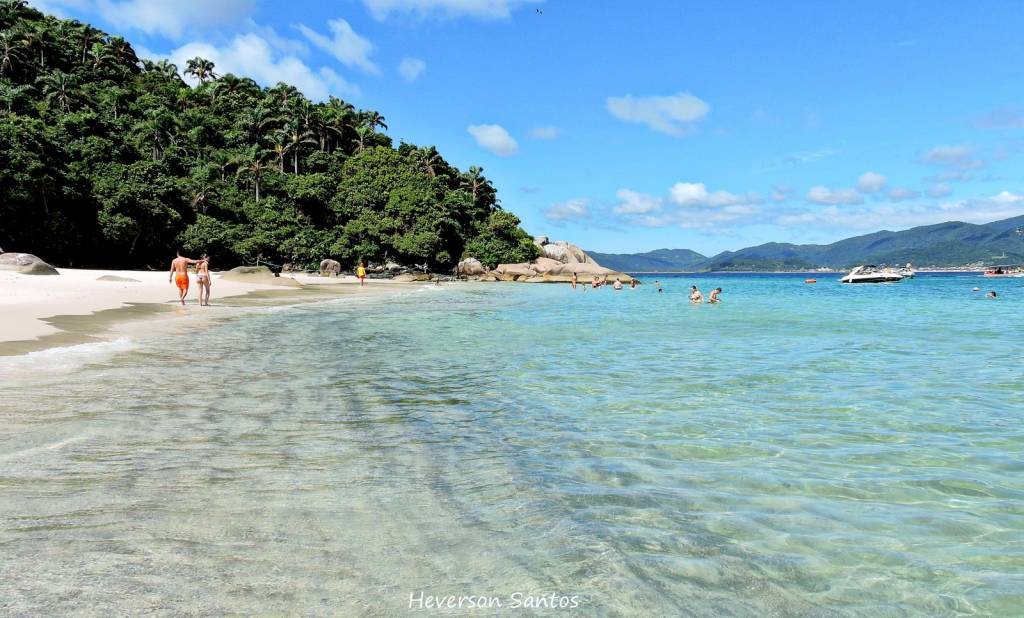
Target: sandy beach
35	308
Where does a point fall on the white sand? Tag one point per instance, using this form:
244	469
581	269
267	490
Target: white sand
26	299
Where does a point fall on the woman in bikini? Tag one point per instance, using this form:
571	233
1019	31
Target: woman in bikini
203	280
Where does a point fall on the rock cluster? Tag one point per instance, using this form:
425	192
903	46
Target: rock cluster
26	264
558	261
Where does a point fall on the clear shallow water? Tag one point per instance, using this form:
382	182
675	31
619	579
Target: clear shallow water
799	450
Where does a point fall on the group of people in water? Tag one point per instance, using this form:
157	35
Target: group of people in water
179	276
696	297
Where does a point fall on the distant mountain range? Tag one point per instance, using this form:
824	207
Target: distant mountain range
941	245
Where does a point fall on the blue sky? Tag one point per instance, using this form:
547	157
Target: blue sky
633	126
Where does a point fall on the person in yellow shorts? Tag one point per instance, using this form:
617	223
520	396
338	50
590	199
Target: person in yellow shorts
361	273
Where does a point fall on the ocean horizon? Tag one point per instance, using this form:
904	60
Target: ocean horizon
796	450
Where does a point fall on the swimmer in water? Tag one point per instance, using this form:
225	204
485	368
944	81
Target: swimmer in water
713	298
991	294
617	285
695	295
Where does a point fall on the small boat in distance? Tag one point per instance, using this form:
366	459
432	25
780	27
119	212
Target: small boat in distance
908	271
1004	271
870	273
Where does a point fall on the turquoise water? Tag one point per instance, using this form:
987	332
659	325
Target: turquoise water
797	450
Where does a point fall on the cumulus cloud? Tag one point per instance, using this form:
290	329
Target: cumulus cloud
172	18
939	190
955	161
871	182
494	138
900	194
688	205
673	115
634	203
344	44
893	216
480	9
252	55
574	209
826	196
545	132
411	68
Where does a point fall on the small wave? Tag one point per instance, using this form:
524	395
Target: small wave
66	357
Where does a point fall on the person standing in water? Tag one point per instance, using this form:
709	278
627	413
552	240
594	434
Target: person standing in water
203	280
361	273
713	298
695	295
573	282
179	274
617	285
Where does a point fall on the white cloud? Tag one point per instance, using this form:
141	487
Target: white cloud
1002	118
695	194
689	205
891	216
411	68
781	193
545	132
956	161
494	138
674	115
344	44
826	196
253	56
574	209
900	194
635	203
871	182
939	190
480	9
173	18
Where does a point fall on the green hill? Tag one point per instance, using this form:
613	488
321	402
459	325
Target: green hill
659	260
109	160
949	244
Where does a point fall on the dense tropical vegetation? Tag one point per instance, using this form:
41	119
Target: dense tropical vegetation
109	159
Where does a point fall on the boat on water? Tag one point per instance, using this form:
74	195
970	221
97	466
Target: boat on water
870	273
908	271
1004	271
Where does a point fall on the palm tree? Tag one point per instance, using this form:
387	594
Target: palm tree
101	55
9	93
362	133
10	11
57	87
201	68
279	146
35	36
256	121
169	69
158	127
89	35
372	120
253	164
284	94
429	158
296	137
121	51
222	160
11	52
474	180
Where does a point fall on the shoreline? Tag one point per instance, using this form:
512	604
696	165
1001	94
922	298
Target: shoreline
75	307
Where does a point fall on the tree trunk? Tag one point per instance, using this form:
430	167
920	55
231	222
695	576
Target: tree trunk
295	158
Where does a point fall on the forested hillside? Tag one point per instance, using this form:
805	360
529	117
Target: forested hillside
107	159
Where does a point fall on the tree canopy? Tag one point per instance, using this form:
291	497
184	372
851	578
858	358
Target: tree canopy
106	159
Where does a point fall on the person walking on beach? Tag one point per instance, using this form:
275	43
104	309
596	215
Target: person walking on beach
179	273
203	280
695	295
713	298
361	273
573	280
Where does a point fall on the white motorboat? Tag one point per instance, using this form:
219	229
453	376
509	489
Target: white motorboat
872	274
907	272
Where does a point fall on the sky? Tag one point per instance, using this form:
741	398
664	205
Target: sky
627	127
